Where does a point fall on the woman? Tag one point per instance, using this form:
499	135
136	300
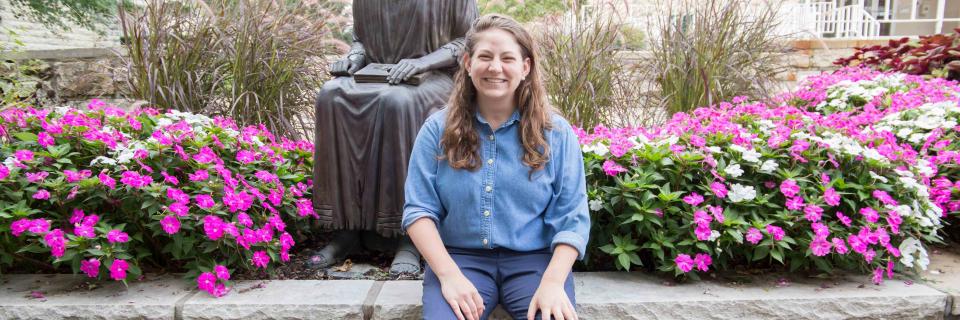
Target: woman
495	193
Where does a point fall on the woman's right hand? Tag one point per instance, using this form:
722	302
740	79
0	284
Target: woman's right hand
462	296
348	65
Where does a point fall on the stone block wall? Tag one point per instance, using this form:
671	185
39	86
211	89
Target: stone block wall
36	36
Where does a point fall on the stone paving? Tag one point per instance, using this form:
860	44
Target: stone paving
606	295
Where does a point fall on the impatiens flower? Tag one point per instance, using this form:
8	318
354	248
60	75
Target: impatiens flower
23	155
118	269
754	236
107	181
4	171
595	205
703	232
169	178
260	259
684	262
41	194
44	139
719	189
117	236
205	155
206	282
693	199
305	208
775	232
20	226
820	247
702	261
135	179
56	241
795	203
839	246
741	193
845	220
611	168
213	227
856	244
878	275
245	156
85	231
717	213
34	177
204	201
179	209
869	214
812	212
178	195
90	267
820	230
733	170
199	175
884	197
222	272
789	188
831	197
869	255
701	217
77	216
170	224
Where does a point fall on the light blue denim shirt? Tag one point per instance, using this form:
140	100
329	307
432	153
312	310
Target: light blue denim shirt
498	205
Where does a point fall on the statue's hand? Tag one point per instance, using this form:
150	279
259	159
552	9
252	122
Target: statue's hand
347	66
405	69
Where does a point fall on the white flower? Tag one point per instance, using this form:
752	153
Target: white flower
103	160
873	154
714	149
163	122
596	205
714	234
751	156
10	162
598	148
925	168
878	177
733	170
740	193
769	166
909	248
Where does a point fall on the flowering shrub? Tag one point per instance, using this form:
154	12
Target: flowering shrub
106	192
937	55
750	183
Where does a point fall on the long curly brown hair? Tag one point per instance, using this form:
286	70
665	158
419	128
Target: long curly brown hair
461	139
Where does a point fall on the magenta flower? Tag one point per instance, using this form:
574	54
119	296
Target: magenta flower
178	195
74	176
276	196
702	261
286	241
106	180
698	141
884	197
204	201
245	157
812	213
794	203
85	231
56	241
44	139
244	219
305	208
611	168
683	262
820	247
41	194
117	236
858	245
869	214
135	179
90	267
118	269
213	227
717	213
4	172
199	175
77	216
169	178
260	259
719	189
869	255
701	217
820	230
170	224
775	232
179	209
831	197
693	199
839	246
222	272
205	155
703	232
34	177
754	236
845	220
206	282
878	275
23	155
789	188
20	226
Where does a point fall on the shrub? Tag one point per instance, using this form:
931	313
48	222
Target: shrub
710	51
934	55
107	192
752	184
253	61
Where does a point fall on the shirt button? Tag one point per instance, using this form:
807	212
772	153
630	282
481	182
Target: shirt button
488	188
486	213
485	241
489	161
490	137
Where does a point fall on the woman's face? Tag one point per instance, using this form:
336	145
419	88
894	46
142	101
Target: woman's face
497	65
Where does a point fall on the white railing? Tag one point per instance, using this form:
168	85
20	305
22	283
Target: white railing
855	22
869	19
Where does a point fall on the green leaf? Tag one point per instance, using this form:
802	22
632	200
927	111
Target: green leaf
736	234
26	136
624	261
777	255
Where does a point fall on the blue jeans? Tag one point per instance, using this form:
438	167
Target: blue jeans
505	277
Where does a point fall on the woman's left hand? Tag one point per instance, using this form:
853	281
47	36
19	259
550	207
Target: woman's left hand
551	301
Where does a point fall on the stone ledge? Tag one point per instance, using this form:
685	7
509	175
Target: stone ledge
607	295
65	54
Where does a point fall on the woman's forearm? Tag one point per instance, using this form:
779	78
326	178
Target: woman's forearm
560	264
426	237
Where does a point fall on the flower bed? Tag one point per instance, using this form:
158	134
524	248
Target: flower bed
105	192
803	182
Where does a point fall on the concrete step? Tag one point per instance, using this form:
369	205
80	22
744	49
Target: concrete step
605	295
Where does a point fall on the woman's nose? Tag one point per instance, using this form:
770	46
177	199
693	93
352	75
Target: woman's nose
495	66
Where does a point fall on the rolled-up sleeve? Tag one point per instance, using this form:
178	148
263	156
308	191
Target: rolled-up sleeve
568	215
420	188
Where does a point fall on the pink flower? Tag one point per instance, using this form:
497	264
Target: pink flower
754	236
878	275
90	267
845	220
775	232
869	214
20	226
789	188
820	247
794	203
305	208
77	216
118	269
4	172
701	217
698	141
205	155
286	241
260	259
890	269
839	245
74	176
39	226
213	227
276	196
44	139
703	232
244	219
204	201
831	197
169	178
179	209
820	230
23	155
245	157
85	231
812	212
693	199
56	241
206	282
857	244
34	177
717	213
222	272
107	181
135	179
611	168
199	175
41	194
869	255
170	224
702	261
684	262
117	236
719	189
178	195
884	197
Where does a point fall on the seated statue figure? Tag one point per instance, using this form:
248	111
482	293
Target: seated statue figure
365	131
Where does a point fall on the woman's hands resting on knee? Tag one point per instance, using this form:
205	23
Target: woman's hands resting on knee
551	299
459	292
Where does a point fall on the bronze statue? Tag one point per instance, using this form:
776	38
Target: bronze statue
365	131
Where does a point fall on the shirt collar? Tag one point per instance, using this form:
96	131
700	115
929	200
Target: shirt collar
513	118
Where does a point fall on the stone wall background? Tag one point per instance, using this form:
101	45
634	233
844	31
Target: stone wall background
36	36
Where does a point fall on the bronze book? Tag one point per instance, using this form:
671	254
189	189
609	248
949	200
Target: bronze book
378	72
